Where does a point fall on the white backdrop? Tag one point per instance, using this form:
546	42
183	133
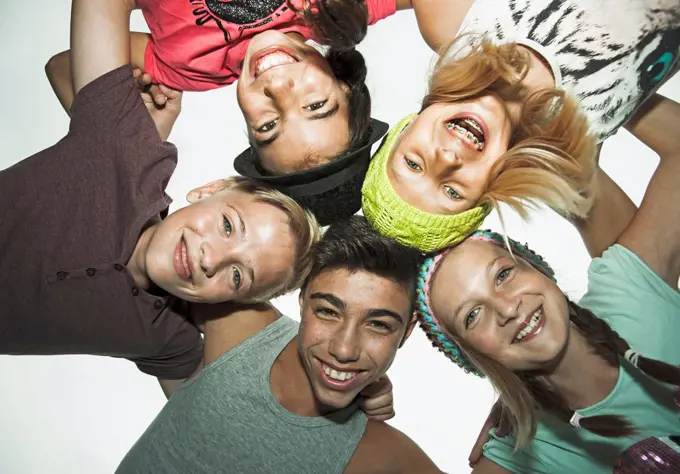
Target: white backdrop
80	414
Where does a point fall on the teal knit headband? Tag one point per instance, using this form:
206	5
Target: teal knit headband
428	321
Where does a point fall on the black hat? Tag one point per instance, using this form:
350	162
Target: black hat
332	191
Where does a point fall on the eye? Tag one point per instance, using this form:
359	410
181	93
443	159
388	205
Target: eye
452	193
380	325
470	318
503	275
315	105
226	225
324	312
236	277
268	126
412	164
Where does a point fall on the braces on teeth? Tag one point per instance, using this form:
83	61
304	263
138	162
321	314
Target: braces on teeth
469	135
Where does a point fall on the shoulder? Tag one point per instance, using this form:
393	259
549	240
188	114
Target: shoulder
624	277
385	449
635	301
226	325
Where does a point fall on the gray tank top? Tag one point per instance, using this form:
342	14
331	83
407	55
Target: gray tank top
227	420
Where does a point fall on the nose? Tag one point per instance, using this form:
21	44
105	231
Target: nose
508	308
279	87
344	345
211	259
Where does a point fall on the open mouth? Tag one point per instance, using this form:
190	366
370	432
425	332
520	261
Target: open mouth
182	261
530	327
338	379
470	130
269	59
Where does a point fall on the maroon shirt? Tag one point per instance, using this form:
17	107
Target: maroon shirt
70	217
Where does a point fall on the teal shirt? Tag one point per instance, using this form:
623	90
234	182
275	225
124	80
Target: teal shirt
645	311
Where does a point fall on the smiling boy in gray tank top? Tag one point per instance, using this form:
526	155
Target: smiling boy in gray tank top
279	397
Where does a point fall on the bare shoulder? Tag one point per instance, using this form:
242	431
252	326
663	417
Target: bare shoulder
226	325
385	449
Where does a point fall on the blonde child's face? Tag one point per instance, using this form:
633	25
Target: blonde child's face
295	109
443	158
500	306
225	246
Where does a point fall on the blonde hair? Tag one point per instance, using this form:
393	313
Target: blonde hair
552	153
303	228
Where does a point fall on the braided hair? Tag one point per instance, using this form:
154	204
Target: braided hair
521	393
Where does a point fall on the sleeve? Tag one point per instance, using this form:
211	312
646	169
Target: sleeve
120	138
380	9
111	104
501	451
179	358
638	304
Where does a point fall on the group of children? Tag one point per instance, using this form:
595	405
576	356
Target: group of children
518	104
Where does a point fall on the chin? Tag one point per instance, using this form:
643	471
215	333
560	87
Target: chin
334	400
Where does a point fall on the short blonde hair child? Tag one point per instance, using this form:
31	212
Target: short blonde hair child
303	227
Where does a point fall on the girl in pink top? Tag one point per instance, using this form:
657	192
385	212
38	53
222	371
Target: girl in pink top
302	109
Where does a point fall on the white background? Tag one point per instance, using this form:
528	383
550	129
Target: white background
80	414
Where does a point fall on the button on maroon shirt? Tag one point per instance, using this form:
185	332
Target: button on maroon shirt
70	217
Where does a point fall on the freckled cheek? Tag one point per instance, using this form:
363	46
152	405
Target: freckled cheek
313	333
381	352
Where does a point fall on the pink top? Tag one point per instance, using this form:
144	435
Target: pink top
198	45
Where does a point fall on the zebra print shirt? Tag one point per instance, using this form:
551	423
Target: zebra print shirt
611	54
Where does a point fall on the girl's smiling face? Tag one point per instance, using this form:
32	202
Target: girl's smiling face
500	306
443	158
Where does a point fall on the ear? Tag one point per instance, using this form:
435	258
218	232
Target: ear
206	190
409	329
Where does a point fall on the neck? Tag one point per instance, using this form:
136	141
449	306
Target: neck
582	377
137	263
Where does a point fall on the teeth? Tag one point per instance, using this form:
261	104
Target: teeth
466	134
271	60
530	327
336	375
185	259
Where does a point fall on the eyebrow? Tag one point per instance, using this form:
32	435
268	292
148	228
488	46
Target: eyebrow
374	313
267	142
492	263
244	233
330	298
320	116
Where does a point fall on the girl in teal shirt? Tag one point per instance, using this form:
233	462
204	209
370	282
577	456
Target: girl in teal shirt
589	387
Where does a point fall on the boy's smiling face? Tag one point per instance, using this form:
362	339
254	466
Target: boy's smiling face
226	245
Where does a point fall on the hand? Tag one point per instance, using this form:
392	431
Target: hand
376	400
492	421
164	104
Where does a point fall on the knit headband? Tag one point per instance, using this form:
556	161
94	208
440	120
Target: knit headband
393	217
429	322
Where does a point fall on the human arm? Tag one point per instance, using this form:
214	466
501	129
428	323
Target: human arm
654	234
58	69
169	386
384	449
226	325
99	38
611	214
440	20
403	4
